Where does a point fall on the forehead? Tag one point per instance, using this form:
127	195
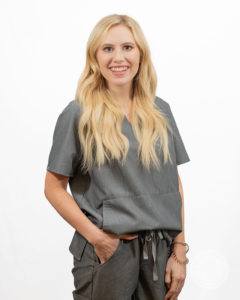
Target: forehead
118	35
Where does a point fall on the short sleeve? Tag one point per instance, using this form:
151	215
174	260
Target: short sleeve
64	156
180	150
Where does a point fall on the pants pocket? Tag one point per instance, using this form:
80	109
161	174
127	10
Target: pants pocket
82	273
77	245
115	253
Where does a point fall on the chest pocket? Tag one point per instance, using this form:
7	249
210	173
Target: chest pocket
77	245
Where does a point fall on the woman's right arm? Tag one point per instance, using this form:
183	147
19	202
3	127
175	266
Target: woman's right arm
55	191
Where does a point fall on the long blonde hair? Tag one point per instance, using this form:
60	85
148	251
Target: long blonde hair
99	127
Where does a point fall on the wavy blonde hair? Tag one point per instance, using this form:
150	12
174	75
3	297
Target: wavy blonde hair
99	127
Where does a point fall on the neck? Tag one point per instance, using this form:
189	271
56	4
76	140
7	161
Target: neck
122	95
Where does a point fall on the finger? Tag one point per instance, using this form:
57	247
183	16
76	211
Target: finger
179	287
172	291
168	279
171	297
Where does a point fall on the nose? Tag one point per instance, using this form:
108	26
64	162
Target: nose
118	55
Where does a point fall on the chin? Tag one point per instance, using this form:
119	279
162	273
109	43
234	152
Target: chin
120	81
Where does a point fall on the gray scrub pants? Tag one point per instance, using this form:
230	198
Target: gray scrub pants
135	271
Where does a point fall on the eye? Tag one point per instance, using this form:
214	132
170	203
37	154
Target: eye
129	46
107	48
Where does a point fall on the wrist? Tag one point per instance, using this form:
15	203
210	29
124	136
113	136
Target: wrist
180	251
95	236
182	260
179	247
178	244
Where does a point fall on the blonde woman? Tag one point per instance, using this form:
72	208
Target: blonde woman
118	146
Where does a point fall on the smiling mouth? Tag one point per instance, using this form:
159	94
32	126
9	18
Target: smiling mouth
119	70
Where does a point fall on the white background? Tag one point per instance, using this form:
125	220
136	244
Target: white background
195	49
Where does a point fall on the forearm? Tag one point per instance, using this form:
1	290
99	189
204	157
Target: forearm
65	205
181	236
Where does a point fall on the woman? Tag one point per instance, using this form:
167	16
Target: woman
118	146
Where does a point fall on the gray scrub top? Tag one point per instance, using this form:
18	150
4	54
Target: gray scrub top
120	198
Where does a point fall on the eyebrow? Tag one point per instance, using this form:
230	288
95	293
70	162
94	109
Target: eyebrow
108	44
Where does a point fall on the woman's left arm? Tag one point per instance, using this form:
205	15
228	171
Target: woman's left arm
175	272
181	236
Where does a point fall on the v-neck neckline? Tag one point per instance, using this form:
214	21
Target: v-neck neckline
125	116
126	119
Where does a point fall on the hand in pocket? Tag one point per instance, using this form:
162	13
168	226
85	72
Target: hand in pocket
107	246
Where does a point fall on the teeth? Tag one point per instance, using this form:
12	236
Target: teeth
119	68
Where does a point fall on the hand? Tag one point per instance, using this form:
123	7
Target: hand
174	277
105	247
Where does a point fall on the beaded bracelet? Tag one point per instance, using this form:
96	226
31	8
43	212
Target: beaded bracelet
181	262
181	243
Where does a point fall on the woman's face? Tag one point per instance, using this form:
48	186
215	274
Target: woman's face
118	49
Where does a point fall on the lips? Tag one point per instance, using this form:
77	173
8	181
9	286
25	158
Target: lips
119	69
122	66
120	72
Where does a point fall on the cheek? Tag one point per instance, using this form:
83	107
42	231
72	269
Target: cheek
134	59
104	64
102	61
135	65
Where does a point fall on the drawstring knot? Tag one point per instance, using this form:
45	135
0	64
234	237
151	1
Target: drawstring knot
153	236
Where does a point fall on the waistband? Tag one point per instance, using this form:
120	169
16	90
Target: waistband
153	236
145	237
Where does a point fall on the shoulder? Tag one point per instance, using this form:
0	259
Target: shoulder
72	107
162	104
71	111
69	115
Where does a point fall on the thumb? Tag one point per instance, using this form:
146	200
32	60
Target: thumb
128	236
168	279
